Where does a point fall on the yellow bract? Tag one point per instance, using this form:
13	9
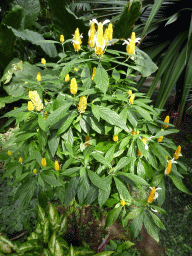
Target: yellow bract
56	164
151	195
139	153
35	171
123	203
133	132
30	106
43	162
9	152
115	138
38	77
20	160
130	92
62	38
168	168
77	40
144	140
166	121
93	74
82	104
43	61
36	101
177	153
67	78
91	34
131	100
73	86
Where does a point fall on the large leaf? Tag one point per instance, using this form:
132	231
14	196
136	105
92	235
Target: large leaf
179	184
101	78
124	26
65	21
96	180
83	187
34	38
151	227
121	188
71	190
104	194
31	9
136	225
135	178
112	216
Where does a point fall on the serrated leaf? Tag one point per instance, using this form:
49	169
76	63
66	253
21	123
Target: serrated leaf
136	226
179	184
96	180
101	78
150	227
131	117
71	190
97	156
144	113
157	221
104	194
121	188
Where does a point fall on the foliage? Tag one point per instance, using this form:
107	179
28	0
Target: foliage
47	238
93	138
122	248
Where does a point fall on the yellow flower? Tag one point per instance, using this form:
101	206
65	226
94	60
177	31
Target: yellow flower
144	140
38	77
130	92
62	38
137	132
15	107
82	104
110	31
133	132
160	139
93	74
36	101
20	160
43	61
73	86
87	138
67	78
177	153
77	40
123	203
106	36
26	82
30	106
91	34
35	171
75	69
56	166
153	194
43	162
100	41
168	168
46	115
166	121
131	43
9	152
131	99
139	153
115	138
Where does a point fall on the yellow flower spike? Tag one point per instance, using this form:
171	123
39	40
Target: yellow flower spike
123	203
87	138
26	82
62	39
43	61
82	104
38	77
131	100
110	31
137	132
166	121
160	139
9	152
75	69
77	40
30	106
35	171
93	74
91	34
177	153
133	132
166	157
115	138
37	130
130	92
36	101
139	153
15	107
56	164
100	41
151	195
131	43
168	168
106	36
144	140
43	162
67	78
73	86
20	160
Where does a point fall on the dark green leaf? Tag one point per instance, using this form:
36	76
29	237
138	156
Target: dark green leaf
96	180
112	216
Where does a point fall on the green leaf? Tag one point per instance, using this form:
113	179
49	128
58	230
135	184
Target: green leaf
34	37
112	216
25	136
144	113
136	225
53	217
101	79
41	122
71	190
53	142
84	125
122	189
156	180
50	178
31	9
98	156
134	178
86	78
69	172
131	117
112	117
96	180
179	184
95	111
67	122
83	186
156	149
159	209
116	75
148	169
150	226
104	194
56	115
94	124
91	195
157	221
134	213
124	161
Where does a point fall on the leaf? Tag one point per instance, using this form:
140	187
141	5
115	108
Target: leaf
131	117
134	178
125	24
124	161
98	156
112	117
41	122
143	113
146	65
112	216
156	180
83	186
134	213
84	125
71	190
53	142
150	226
121	188
67	123
86	78
179	184
91	195
50	179
25	136
31	9
157	221
104	194
140	169
56	115
101	79
136	225
94	124
34	37
95	111
96	180
156	149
